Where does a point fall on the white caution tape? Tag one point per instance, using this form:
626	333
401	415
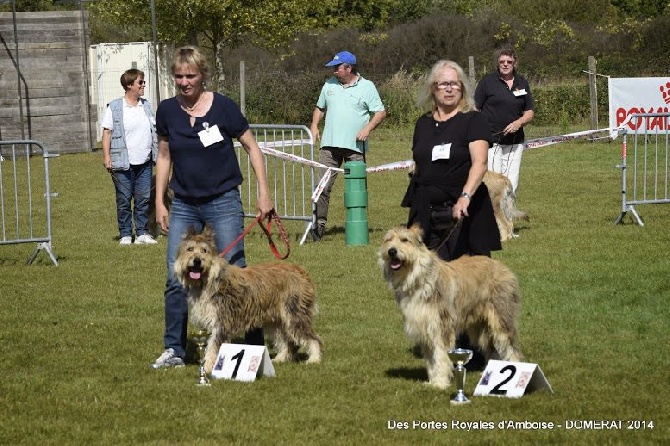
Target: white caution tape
322	185
542	142
399	165
267	148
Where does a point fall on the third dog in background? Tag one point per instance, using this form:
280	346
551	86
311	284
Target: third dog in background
504	204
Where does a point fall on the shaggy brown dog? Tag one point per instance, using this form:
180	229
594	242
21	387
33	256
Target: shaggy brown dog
503	200
228	300
475	295
504	204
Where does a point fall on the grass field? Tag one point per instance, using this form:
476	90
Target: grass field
76	340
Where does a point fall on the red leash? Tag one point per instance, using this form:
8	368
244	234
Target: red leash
282	232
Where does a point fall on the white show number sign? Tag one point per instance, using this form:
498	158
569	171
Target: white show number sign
241	362
510	379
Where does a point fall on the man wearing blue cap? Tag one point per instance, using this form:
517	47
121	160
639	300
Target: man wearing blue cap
353	108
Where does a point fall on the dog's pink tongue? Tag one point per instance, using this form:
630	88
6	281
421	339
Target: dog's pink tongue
396	265
195	275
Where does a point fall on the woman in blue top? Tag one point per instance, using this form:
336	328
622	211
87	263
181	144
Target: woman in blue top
449	149
195	138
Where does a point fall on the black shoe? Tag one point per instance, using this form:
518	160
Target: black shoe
317	232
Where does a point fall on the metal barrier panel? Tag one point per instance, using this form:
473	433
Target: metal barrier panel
25	196
291	181
644	163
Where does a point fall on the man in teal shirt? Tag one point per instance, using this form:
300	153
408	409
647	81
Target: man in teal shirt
353	108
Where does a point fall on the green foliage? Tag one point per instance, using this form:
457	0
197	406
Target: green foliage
641	8
399	94
366	15
553	41
213	23
282	98
297	94
549	32
575	11
564	105
37	5
77	339
567	105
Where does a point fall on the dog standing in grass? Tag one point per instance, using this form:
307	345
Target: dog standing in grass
228	300
504	204
503	201
475	295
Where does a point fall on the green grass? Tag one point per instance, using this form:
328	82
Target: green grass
77	340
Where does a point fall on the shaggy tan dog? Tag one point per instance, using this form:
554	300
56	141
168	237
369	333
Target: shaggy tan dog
228	300
503	200
475	295
504	204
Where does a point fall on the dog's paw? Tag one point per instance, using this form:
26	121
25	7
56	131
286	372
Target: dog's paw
282	357
442	385
209	364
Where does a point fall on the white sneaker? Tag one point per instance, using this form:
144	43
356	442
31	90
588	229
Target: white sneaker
168	359
127	240
145	239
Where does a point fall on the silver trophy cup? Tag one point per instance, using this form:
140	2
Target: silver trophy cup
460	357
200	339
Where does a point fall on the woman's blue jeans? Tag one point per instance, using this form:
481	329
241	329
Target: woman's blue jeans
226	217
133	184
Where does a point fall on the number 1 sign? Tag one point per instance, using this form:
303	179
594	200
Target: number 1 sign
510	379
241	362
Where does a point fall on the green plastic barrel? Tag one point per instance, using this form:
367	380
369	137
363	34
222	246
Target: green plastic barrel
355	203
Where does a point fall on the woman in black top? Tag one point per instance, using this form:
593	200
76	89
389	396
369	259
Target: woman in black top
450	151
504	98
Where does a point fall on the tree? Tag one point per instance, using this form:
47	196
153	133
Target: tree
212	24
33	5
642	9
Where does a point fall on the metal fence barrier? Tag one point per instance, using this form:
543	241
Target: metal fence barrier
25	196
291	183
644	163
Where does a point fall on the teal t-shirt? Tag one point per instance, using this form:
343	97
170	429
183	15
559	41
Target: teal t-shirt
348	110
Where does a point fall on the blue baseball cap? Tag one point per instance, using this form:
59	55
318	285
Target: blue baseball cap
342	57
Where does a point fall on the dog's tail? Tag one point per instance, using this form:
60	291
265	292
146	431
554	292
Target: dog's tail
510	209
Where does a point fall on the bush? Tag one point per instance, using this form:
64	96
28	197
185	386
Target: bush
275	97
566	105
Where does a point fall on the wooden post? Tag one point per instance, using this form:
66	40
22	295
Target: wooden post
593	93
242	89
471	70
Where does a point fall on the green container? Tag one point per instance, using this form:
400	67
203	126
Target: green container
355	203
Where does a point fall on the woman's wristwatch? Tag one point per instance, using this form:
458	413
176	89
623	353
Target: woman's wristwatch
466	195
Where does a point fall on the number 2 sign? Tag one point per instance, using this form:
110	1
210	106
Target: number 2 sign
241	362
510	379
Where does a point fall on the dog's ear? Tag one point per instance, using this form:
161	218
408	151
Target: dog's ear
190	232
416	230
412	170
208	232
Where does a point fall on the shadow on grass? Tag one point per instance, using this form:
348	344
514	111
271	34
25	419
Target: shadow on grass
409	373
476	364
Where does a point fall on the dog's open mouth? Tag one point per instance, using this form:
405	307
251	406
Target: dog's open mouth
195	272
195	269
395	264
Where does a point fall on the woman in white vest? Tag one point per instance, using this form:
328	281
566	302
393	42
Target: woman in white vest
129	148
